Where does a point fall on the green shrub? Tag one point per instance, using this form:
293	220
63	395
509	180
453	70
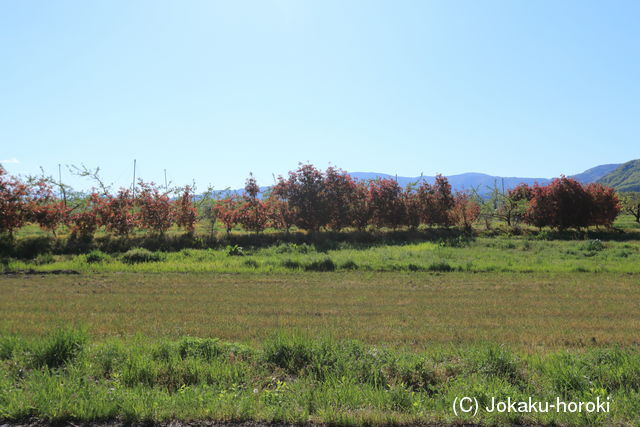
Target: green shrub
31	247
414	267
44	259
326	264
287	248
349	265
96	257
291	264
139	255
235	250
595	245
455	242
441	266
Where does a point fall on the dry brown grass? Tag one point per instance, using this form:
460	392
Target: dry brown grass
532	311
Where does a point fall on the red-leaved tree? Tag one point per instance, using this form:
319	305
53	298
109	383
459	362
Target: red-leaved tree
465	210
339	190
85	222
117	213
156	213
436	202
184	211
252	212
605	205
13	203
562	204
227	209
413	208
304	191
387	204
45	209
360	206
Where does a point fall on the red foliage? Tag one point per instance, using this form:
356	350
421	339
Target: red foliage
155	208
228	212
304	190
605	205
280	214
253	216
252	212
117	213
565	203
360	206
426	203
520	192
413	208
436	202
13	203
339	189
45	209
185	213
465	210
387	204
86	222
443	202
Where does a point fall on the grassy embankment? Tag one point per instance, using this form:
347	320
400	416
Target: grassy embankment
484	254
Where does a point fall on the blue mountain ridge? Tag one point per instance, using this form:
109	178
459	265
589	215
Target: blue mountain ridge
480	182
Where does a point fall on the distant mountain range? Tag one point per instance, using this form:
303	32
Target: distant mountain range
622	177
484	183
626	177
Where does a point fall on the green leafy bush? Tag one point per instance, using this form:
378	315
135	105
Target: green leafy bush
440	266
594	245
326	264
291	264
139	255
235	250
44	259
287	248
96	257
349	265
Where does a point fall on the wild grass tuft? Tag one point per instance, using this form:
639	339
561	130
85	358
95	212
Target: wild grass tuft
325	264
59	348
140	255
96	256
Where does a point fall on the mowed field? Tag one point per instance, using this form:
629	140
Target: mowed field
534	311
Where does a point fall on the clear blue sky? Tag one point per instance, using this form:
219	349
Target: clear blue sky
214	90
